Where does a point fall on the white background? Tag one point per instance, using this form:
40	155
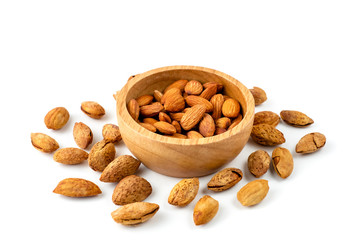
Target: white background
305	54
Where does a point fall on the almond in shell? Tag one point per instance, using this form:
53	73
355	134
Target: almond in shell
311	142
296	118
77	187
111	133
259	95
70	156
283	162
43	142
225	179
56	118
131	189
184	192
205	210
101	154
82	134
135	213
92	109
266	117
119	168
253	192
267	135
259	163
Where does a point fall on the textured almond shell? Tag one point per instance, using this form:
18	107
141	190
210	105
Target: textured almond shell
135	213
267	135
266	117
225	179
82	134
92	109
111	133
311	142
77	187
121	167
253	192
131	189
259	95
296	118
43	142
184	192
56	118
70	156
259	163
283	162
101	154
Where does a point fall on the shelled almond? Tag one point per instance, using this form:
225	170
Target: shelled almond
187	109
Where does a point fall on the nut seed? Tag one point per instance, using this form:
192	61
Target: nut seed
101	154
92	109
82	134
43	142
205	210
259	163
56	118
184	192
111	133
296	118
283	162
77	187
121	167
310	143
225	179
267	135
70	156
134	213
253	192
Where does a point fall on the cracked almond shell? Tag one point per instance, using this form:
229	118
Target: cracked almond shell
184	192
225	179
135	213
311	142
77	187
101	154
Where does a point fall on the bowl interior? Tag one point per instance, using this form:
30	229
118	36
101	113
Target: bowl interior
160	80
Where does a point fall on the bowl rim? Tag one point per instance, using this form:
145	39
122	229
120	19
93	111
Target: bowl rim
123	113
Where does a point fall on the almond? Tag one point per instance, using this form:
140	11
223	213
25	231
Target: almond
77	187
150	121
180	84
194	135
171	92
259	95
235	122
184	192
70	156
311	142
223	122
253	192
82	134
92	109
195	100
131	189
207	126
205	210
210	91
220	86
178	135
56	118
144	100
225	179
165	127
101	154
193	116
111	133
151	110
158	95
283	162
177	116
164	117
193	87
173	102
217	101
295	118
121	167
148	126
134	109
267	135
134	213
177	126
219	131
259	163
43	142
266	117
231	108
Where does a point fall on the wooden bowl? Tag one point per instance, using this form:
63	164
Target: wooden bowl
183	157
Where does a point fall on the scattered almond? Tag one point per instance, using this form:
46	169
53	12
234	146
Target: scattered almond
111	133
134	213
225	179
266	117
82	134
119	168
296	118
205	210
267	135
70	156
311	142
43	142
56	118
184	192
253	192
77	187
259	95
282	161
101	154
92	109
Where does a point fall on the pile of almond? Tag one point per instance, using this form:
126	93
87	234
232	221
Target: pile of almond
187	109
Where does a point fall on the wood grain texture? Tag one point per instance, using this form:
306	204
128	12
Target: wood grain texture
183	157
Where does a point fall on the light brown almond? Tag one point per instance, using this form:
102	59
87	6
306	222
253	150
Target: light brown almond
121	167
82	134
165	127
253	192
207	126
194	135
311	142
223	122
208	92
220	86
131	189
171	92
184	192
158	95
144	100
231	108
164	117
134	109
56	118
43	142
178	135
259	163
267	135
266	117
193	100
177	126
296	118
101	154
180	84
193	87
225	179
219	131
111	133
174	102
193	116
217	101
70	156
283	162
205	210
135	213
77	187
177	116
92	109
235	122
148	126
151	110
150	121
259	95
